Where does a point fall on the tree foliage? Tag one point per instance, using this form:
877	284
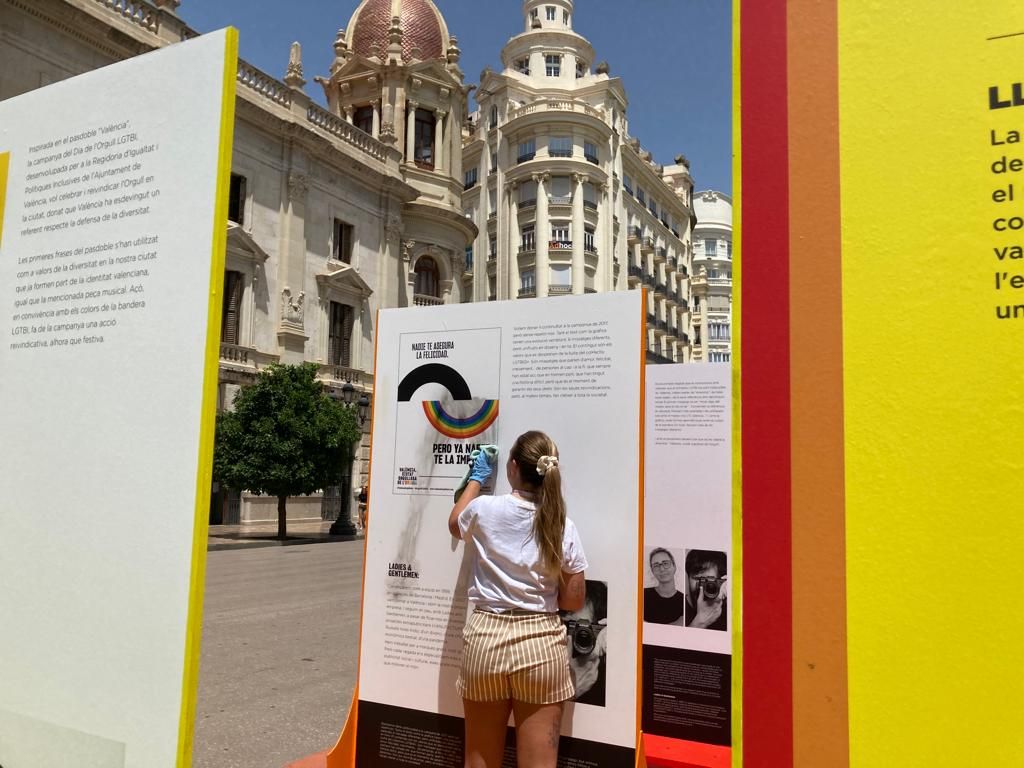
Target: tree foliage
285	436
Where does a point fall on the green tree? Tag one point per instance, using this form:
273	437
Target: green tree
284	437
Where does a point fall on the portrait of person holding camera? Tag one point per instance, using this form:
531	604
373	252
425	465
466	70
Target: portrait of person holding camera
586	630
705	589
663	603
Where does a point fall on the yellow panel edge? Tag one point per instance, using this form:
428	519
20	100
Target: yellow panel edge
737	392
204	474
5	164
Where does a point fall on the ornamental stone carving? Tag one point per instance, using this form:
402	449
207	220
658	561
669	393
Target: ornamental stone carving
407	249
393	226
298	186
293	77
340	44
458	262
293	311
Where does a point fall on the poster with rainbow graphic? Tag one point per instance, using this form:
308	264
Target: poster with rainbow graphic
448	385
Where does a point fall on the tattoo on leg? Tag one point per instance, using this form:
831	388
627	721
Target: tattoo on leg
556	728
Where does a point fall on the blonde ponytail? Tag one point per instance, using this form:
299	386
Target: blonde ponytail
537	457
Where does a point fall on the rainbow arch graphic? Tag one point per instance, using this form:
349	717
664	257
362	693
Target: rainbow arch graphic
457	428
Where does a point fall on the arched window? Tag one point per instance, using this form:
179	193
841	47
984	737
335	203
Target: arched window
428	277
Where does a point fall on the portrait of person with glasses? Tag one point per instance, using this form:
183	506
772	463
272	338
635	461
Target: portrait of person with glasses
705	590
663	603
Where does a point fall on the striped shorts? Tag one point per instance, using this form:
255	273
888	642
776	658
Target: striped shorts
516	655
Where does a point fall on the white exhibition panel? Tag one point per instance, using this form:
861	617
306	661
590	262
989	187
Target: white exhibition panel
569	366
105	267
688	508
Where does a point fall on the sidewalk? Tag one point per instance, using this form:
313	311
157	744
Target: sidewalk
252	535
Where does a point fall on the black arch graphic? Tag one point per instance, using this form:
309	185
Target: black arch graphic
433	373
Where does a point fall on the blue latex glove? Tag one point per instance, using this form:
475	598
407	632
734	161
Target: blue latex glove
482	467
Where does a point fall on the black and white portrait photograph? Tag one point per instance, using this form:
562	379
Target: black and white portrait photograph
706	596
663	598
588	644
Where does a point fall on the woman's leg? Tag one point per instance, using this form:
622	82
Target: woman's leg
537	730
486	722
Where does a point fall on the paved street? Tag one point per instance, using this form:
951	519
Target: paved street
278	665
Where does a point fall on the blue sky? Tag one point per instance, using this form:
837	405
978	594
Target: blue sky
674	57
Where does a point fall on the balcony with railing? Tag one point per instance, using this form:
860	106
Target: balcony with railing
423	300
660	255
237	358
560	199
590	204
269	87
559	290
341	374
340	129
554	105
527	292
647	246
635	274
530	203
635	235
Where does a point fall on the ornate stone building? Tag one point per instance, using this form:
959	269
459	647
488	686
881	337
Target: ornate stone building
334	213
712	277
566	201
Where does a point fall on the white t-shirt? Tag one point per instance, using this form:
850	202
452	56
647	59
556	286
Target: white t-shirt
506	572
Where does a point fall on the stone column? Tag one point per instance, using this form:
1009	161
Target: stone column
376	119
512	261
578	269
410	132
542	235
439	159
605	235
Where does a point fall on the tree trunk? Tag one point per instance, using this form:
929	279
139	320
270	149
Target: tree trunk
282	517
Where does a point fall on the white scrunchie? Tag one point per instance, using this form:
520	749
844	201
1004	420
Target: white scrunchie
544	463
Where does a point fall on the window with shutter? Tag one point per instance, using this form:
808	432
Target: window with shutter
339	337
231	315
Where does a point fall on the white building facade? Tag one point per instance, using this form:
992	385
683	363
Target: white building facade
564	199
712	278
333	214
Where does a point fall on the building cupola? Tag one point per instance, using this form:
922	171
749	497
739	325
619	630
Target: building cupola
547	14
416	25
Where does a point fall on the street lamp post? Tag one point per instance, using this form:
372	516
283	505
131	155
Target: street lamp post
344	526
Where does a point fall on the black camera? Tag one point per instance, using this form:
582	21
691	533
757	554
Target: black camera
583	635
712	585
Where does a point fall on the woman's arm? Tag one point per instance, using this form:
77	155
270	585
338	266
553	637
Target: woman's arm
478	474
471	491
572	591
